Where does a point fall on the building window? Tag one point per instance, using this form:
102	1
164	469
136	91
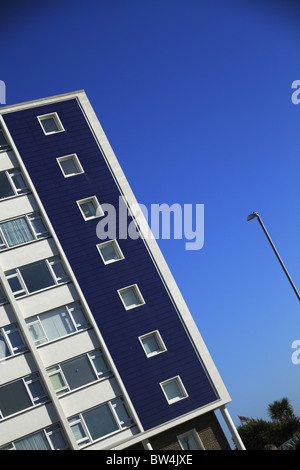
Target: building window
57	323
50	438
190	441
36	276
152	344
12	184
70	165
11	342
3	299
90	208
50	123
131	297
110	252
173	390
100	422
22	230
79	371
21	395
3	143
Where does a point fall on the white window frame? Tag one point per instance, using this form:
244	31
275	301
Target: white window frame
48	432
98	208
76	161
159	341
196	437
36	235
99	376
112	404
17	191
5	332
38	320
138	295
57	122
34	400
181	388
4	147
116	248
57	281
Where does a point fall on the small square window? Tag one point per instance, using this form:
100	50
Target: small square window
190	441
131	297
110	251
50	123
152	343
70	165
90	208
173	390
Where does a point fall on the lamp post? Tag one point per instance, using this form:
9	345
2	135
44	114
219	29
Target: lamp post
256	215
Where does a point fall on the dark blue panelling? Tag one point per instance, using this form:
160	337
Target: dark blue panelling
98	282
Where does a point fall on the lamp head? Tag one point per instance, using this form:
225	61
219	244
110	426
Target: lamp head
252	216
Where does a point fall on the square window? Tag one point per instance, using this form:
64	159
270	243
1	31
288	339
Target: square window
131	297
110	252
90	208
190	441
152	343
50	123
70	165
173	390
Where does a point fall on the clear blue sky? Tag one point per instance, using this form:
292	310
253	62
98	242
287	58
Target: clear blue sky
195	98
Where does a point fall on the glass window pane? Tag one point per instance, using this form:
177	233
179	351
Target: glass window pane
19	182
88	209
150	344
69	166
109	252
172	390
3	143
78	372
100	421
4	351
78	316
15	284
37	441
59	271
16	340
36	332
38	226
13	398
36	276
99	363
130	297
58	441
49	124
2	297
57	381
78	431
5	187
57	323
36	389
16	231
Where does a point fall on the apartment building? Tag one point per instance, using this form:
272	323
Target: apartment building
98	350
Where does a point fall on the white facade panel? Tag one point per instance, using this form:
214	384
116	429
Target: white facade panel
6	315
28	253
47	300
15	206
68	347
89	397
7	160
15	367
26	423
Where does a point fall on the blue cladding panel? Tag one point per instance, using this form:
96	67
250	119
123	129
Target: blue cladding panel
100	282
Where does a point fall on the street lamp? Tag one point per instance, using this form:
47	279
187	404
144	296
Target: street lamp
256	215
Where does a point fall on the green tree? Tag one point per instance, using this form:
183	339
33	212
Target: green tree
257	433
281	410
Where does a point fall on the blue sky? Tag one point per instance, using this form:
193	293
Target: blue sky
195	99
